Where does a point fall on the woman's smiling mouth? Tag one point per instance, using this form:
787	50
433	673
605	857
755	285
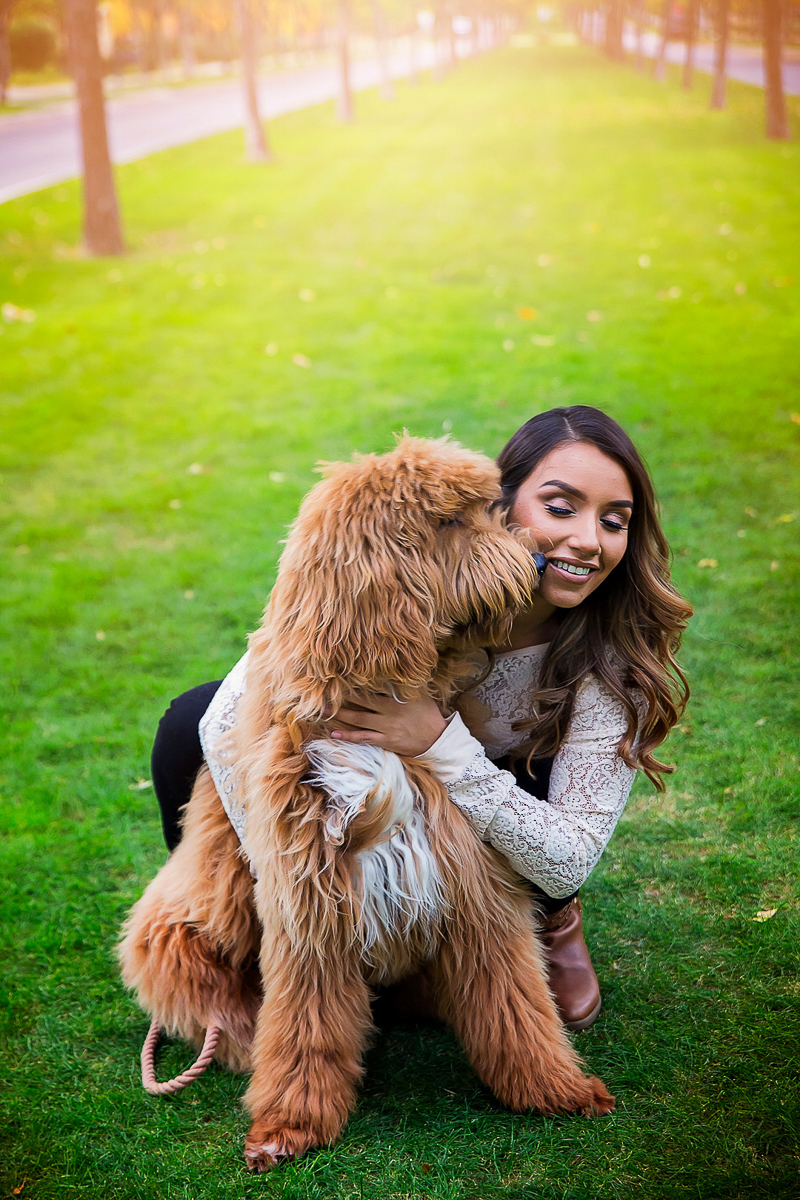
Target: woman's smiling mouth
576	570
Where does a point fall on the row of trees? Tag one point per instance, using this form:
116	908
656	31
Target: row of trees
773	22
313	24
149	35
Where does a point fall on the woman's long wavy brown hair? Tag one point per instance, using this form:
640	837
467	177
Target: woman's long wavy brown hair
627	633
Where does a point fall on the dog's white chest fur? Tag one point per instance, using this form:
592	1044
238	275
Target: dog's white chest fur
400	883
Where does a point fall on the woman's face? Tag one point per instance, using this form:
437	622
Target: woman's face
577	504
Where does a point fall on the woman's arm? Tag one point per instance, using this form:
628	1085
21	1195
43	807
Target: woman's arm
557	842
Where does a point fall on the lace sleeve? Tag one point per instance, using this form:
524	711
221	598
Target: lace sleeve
219	717
557	842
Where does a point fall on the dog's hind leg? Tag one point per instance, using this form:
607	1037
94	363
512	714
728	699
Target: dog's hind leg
190	944
307	1054
490	984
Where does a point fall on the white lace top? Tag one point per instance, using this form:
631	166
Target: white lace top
555	843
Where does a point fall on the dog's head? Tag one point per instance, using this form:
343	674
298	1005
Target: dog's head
394	559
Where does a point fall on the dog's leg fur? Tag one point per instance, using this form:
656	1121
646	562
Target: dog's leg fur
190	944
315	1018
307	1054
489	979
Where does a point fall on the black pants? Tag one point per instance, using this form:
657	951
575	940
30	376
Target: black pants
178	756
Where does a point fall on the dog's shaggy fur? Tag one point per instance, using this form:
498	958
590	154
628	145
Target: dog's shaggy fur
363	871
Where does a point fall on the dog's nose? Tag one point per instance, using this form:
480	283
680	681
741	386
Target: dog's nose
539	561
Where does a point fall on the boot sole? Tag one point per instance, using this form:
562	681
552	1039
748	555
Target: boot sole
576	1026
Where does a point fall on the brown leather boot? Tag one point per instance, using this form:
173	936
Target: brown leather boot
569	969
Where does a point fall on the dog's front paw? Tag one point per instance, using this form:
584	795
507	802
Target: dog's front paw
266	1148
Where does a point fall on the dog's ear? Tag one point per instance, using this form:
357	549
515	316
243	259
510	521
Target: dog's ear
351	601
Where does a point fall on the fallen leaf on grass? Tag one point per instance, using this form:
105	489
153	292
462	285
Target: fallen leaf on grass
100	635
707	562
175	504
751	512
11	313
740	289
140	785
189	594
195	469
785	519
794	418
773	566
16	1191
300	360
761	721
594	315
764	914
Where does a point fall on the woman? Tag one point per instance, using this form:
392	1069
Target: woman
542	753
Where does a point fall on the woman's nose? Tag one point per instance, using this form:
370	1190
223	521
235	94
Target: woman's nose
584	535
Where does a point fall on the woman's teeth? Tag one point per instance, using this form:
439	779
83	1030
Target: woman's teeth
569	567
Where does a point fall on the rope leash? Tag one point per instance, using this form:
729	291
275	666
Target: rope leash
170	1086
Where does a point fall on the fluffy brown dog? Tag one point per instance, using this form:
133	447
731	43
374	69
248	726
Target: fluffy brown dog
363	871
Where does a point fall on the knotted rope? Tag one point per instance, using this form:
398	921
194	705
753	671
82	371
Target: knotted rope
169	1086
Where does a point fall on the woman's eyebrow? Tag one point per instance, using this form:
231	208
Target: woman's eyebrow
579	495
563	487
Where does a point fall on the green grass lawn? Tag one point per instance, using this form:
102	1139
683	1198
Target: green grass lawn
153	452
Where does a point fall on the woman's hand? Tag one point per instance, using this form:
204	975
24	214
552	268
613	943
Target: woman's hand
408	728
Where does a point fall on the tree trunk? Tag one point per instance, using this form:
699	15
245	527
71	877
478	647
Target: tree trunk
344	105
688	62
5	47
451	35
101	223
255	143
640	36
660	60
159	56
777	121
615	18
720	55
138	37
379	29
441	49
186	34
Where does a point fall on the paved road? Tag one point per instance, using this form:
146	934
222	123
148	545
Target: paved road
744	63
40	148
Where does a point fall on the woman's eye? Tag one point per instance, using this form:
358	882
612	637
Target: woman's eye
615	525
557	511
